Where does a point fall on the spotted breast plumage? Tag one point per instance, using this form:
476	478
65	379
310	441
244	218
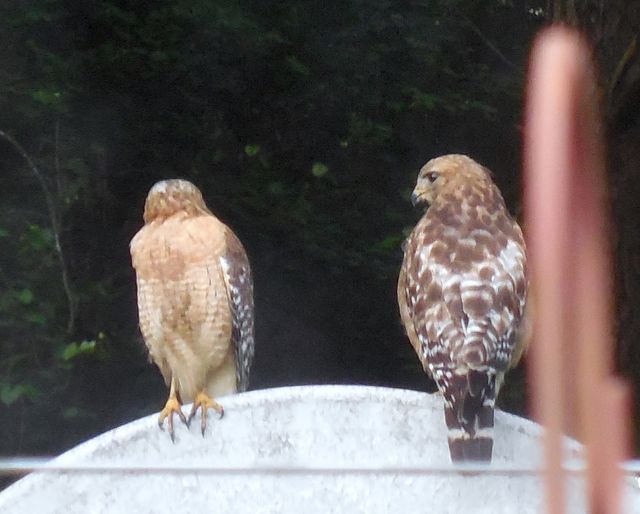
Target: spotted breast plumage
195	299
462	291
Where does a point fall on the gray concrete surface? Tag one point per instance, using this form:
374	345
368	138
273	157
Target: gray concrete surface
300	427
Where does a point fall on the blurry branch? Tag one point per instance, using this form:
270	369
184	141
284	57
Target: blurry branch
489	44
56	158
622	67
564	11
54	217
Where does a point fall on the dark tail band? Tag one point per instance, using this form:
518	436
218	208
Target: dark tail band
468	410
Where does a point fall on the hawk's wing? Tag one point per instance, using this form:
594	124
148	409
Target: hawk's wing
150	299
239	285
404	304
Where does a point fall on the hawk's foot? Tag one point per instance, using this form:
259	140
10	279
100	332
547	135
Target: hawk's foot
172	406
204	402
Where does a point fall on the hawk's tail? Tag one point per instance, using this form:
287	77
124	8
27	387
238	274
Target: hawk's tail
469	405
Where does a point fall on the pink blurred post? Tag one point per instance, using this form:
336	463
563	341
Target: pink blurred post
567	222
611	447
547	229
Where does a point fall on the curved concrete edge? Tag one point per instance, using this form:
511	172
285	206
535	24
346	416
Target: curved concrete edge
306	393
409	399
308	426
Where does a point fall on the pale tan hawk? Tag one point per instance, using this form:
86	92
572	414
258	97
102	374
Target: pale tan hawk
195	299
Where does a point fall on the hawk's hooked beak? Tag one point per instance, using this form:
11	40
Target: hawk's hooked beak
417	200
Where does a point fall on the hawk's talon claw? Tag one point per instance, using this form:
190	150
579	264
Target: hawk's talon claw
173	406
171	432
182	417
204	402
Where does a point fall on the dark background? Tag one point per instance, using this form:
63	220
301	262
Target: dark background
304	123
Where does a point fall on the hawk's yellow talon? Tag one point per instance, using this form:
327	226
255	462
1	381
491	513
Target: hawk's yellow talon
173	406
204	402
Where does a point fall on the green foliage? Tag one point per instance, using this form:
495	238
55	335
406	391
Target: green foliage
73	350
25	296
318	169
252	150
9	394
37	239
367	132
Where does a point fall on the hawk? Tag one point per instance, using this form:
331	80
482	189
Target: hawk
195	300
462	292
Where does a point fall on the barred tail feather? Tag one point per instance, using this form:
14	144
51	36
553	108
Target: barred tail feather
470	446
469	407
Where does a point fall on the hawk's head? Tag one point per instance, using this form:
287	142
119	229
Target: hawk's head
446	172
169	197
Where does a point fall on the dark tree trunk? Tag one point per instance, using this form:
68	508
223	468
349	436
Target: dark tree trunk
613	27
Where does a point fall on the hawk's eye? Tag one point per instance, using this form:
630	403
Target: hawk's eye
432	176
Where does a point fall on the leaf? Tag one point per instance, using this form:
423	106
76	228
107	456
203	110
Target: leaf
49	98
87	346
77	412
71	412
362	130
9	394
422	100
72	350
252	150
69	351
319	169
4	232
36	318
296	66
25	296
39	237
389	244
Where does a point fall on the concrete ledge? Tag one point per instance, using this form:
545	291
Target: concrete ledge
310	426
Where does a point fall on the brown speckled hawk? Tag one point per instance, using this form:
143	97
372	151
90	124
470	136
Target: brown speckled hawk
462	292
195	299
